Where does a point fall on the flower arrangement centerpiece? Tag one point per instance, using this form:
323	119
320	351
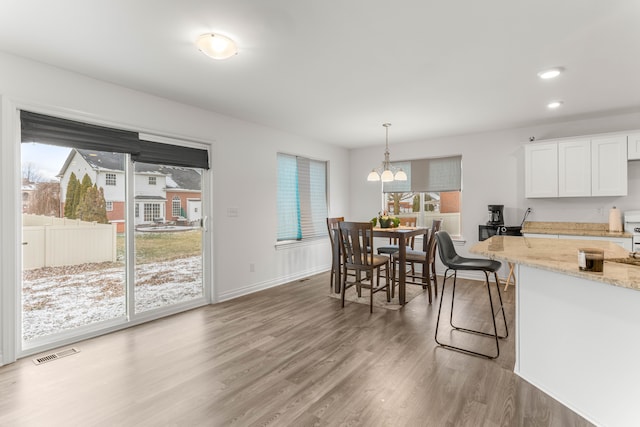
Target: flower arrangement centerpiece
387	221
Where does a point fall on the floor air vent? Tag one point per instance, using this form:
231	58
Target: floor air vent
54	356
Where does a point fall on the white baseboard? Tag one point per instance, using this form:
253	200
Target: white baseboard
255	287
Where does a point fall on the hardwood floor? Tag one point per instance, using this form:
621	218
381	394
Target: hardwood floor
285	356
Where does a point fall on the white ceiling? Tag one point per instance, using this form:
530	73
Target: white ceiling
335	70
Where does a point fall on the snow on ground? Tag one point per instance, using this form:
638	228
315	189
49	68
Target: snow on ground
60	298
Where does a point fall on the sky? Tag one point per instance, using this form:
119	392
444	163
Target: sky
47	160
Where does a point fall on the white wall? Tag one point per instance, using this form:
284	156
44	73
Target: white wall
493	173
243	167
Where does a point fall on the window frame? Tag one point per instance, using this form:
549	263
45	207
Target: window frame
422	213
173	206
110	179
306	212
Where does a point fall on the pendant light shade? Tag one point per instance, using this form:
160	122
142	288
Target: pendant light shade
387	172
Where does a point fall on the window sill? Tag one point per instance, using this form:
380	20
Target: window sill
290	244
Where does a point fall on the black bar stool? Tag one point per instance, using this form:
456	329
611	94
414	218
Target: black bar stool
455	262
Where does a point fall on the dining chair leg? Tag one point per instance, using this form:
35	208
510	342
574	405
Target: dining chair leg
434	278
393	277
386	273
371	294
426	279
343	285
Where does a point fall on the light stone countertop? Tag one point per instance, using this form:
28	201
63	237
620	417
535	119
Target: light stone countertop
561	255
595	229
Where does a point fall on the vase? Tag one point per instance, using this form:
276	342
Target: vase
385	223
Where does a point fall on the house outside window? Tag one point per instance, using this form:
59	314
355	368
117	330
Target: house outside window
137	209
109	206
110	179
152	180
151	211
301	198
176	207
432	191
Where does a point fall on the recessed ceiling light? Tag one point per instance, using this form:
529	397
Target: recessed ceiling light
551	73
554	104
216	46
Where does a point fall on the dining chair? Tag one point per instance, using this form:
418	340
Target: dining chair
454	263
354	239
392	247
426	258
334	230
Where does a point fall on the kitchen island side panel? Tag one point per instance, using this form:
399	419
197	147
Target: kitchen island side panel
579	341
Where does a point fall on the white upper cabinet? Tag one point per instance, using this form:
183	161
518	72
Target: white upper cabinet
541	170
578	167
609	166
574	168
633	146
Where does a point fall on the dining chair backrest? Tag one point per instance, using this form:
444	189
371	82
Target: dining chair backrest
407	221
332	228
447	251
354	238
431	245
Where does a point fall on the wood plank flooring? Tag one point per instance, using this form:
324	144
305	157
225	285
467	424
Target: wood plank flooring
287	356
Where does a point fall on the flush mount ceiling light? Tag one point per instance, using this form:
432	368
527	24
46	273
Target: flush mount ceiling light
551	73
386	172
217	46
554	104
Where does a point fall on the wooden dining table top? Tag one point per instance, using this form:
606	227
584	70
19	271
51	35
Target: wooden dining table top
400	231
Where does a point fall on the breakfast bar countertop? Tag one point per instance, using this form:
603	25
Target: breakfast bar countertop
595	229
561	255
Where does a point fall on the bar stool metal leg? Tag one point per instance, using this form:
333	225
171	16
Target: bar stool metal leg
494	335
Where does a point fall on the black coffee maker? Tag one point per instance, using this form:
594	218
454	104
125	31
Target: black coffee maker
496	215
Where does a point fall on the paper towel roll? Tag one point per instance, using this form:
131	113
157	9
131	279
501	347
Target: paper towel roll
615	220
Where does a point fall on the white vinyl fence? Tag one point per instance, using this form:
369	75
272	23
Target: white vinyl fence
53	242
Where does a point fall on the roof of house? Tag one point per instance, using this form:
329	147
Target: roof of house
176	177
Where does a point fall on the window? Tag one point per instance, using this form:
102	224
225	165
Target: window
110	179
176	207
109	206
137	213
152	180
302	198
151	211
432	191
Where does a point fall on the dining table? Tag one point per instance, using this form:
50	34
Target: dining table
402	235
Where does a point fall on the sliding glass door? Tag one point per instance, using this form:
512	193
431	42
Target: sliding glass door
109	237
168	235
73	252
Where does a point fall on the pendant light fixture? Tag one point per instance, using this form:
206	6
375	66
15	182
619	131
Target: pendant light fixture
386	172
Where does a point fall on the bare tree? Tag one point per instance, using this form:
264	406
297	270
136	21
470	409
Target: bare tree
45	199
30	173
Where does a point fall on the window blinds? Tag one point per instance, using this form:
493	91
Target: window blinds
428	175
69	133
301	198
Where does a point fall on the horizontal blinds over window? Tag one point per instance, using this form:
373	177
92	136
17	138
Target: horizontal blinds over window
288	200
429	175
69	133
302	197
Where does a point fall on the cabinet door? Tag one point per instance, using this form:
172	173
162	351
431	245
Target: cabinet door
574	168
541	170
633	146
609	166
